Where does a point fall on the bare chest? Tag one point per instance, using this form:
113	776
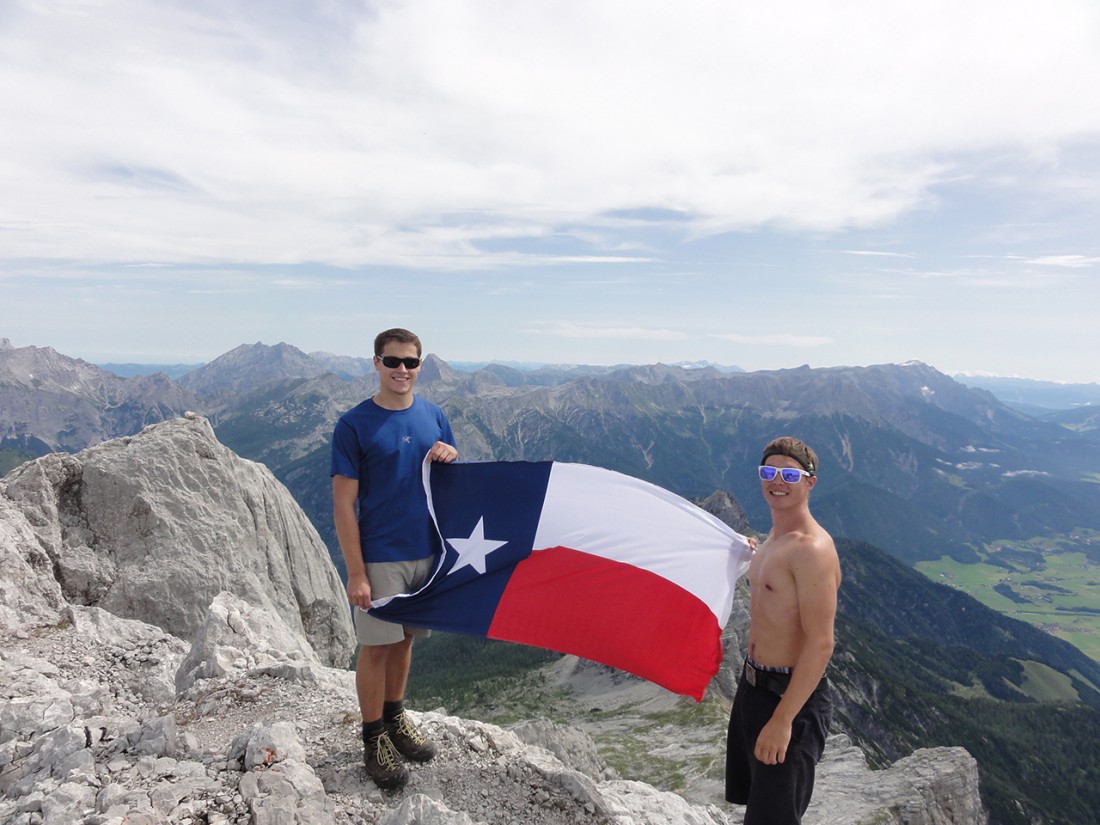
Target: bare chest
771	583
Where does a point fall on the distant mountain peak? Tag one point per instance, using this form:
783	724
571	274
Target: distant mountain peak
249	366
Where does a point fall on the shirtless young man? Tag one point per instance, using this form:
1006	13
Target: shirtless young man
782	710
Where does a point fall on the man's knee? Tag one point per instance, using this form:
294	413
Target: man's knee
375	654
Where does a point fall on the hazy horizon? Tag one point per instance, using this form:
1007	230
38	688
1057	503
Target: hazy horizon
459	363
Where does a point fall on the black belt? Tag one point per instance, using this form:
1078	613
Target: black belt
772	681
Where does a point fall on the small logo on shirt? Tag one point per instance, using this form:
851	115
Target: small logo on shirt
406	439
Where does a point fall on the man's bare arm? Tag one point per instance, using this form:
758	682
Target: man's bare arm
345	492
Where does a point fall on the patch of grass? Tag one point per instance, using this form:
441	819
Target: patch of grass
1052	583
1047	685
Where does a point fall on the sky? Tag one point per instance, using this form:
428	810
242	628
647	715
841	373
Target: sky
581	181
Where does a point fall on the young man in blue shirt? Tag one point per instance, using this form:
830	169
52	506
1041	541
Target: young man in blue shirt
388	541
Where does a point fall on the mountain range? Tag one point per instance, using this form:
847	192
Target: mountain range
1035	397
913	462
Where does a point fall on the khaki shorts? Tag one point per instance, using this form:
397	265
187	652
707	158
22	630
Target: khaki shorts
389	578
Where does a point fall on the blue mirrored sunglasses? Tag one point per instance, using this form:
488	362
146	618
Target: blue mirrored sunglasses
788	474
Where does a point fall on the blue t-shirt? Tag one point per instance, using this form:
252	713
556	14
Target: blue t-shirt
384	450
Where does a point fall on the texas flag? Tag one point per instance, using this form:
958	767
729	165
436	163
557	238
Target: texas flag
580	560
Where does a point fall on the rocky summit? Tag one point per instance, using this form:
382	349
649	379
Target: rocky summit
173	642
152	527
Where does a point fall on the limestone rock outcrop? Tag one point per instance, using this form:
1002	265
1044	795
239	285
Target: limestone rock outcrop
153	526
29	593
239	639
933	786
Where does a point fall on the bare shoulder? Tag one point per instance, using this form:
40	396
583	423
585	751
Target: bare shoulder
813	552
813	540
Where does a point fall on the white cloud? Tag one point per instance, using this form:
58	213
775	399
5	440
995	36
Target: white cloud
569	329
412	133
871	253
777	339
1072	261
655	174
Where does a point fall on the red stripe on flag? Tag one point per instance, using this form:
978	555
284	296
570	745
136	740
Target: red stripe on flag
613	613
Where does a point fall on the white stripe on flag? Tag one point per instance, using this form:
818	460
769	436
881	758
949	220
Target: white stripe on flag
631	521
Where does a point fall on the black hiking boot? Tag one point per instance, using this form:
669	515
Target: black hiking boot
408	739
383	763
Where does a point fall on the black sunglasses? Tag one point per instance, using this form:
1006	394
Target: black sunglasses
392	362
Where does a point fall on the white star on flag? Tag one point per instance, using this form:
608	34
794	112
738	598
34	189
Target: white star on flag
472	551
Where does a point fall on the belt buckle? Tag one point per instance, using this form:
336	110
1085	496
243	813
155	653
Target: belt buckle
750	674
